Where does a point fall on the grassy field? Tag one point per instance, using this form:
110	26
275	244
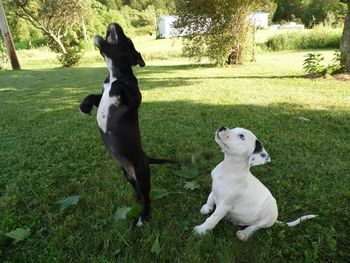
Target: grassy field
50	152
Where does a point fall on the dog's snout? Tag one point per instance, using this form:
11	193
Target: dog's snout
222	128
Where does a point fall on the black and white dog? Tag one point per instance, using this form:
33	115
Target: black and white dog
117	114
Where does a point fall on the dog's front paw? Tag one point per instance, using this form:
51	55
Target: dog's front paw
206	209
200	230
85	109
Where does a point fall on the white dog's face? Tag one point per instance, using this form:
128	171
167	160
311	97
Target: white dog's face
242	142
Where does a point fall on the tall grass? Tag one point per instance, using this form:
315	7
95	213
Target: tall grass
317	38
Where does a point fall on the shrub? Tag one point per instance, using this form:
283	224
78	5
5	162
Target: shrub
312	65
317	38
72	57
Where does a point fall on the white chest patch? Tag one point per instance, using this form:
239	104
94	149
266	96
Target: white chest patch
105	103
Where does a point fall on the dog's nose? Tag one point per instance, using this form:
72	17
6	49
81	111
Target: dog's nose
222	128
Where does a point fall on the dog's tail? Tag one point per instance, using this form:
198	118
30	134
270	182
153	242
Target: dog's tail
160	161
297	221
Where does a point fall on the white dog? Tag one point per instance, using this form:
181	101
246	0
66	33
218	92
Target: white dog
237	194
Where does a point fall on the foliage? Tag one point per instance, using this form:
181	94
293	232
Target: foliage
28	44
68	202
312	65
317	38
75	50
19	234
3	54
217	30
311	12
22	29
59	21
335	66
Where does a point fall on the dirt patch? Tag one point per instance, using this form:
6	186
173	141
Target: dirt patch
342	76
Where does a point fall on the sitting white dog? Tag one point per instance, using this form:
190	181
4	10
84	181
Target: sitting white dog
237	194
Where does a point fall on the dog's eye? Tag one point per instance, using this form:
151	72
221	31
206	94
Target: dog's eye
241	136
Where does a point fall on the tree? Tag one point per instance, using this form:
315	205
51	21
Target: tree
345	41
310	12
216	29
4	28
54	17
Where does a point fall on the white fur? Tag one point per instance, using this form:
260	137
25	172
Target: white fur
237	194
106	100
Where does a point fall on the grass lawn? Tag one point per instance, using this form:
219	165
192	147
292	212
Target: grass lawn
48	151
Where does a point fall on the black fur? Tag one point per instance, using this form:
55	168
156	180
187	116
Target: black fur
122	137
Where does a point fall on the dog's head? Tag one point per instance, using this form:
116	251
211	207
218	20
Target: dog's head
117	49
242	142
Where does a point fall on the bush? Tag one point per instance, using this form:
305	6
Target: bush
317	38
312	65
72	57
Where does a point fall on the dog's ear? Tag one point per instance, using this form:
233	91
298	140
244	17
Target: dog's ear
259	156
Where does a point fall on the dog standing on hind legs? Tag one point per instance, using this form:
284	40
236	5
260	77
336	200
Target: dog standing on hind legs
117	113
236	193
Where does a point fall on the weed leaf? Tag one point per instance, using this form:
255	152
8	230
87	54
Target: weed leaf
193	185
187	172
18	234
156	246
158	193
68	202
122	213
134	211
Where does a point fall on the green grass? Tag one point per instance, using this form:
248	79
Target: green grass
316	38
49	152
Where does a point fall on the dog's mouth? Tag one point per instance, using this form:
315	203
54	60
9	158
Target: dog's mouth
220	141
112	36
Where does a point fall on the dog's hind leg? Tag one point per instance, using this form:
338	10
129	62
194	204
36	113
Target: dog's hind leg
247	232
144	187
132	180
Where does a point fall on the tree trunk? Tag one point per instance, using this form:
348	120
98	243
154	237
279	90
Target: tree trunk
84	29
59	43
345	43
8	39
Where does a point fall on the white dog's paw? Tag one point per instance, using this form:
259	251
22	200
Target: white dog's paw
242	235
205	209
200	230
139	222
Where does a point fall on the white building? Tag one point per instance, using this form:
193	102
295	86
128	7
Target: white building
166	24
166	27
259	19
